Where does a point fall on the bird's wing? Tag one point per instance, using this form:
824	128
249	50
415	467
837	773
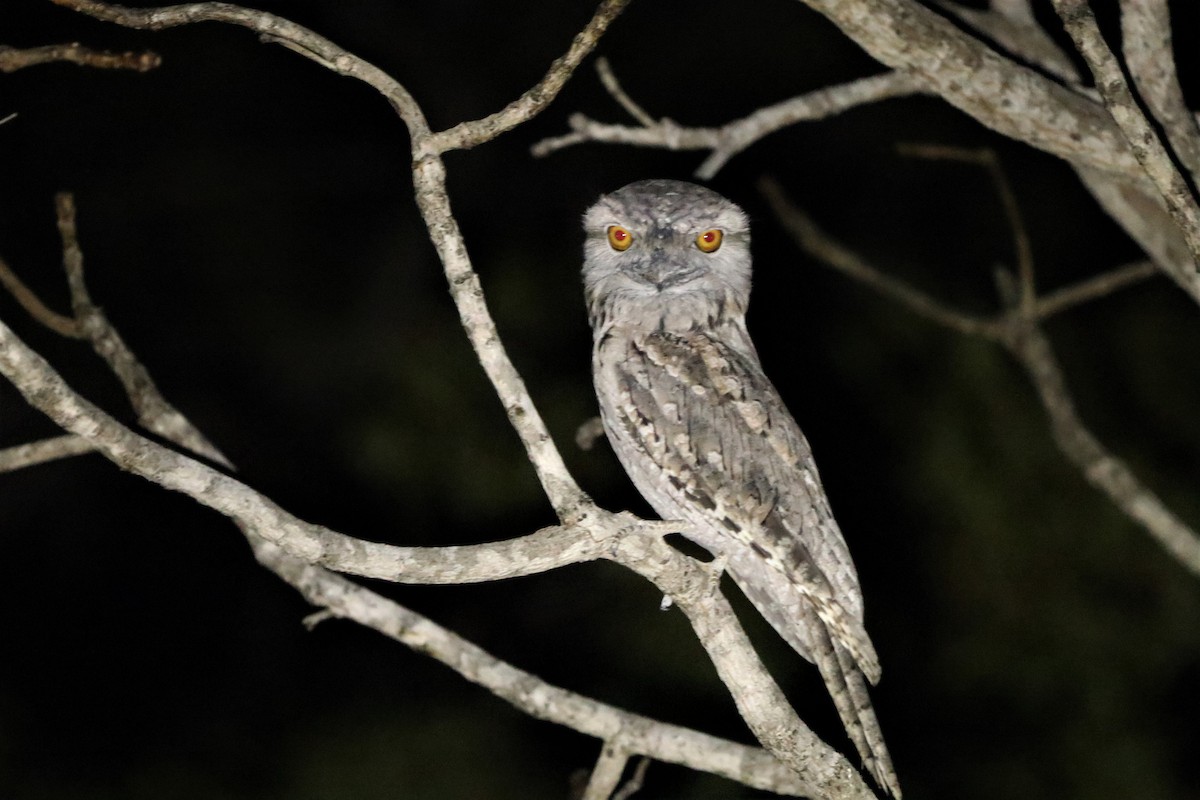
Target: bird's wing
729	459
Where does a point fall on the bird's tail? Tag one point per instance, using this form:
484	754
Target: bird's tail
798	622
848	688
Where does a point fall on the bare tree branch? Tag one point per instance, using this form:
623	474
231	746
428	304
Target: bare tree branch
1017	330
1081	25
570	502
665	134
429	179
634	784
1085	291
13	59
547	549
59	323
608	80
1011	24
664	742
553	547
936	57
530	104
998	92
1147	47
928	55
270	28
829	251
824	248
759	700
986	157
1147	223
26	455
606	775
153	411
1131	203
733	137
1097	464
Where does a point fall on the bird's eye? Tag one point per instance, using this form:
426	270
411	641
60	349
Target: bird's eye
619	238
709	241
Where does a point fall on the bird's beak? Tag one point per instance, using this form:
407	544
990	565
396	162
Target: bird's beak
661	271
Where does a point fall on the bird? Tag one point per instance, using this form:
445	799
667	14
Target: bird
706	438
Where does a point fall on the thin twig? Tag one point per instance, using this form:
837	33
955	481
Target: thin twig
153	411
470	134
817	104
608	79
311	621
665	134
606	775
1094	288
634	784
26	455
33	305
821	246
986	157
13	59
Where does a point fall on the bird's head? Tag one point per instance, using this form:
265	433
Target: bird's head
661	242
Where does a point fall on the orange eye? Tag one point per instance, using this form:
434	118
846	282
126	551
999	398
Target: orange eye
619	238
709	241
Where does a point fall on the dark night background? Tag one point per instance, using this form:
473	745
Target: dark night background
248	224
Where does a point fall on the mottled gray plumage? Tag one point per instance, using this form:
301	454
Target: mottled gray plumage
706	438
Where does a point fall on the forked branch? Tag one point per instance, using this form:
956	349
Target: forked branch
1017	328
726	141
